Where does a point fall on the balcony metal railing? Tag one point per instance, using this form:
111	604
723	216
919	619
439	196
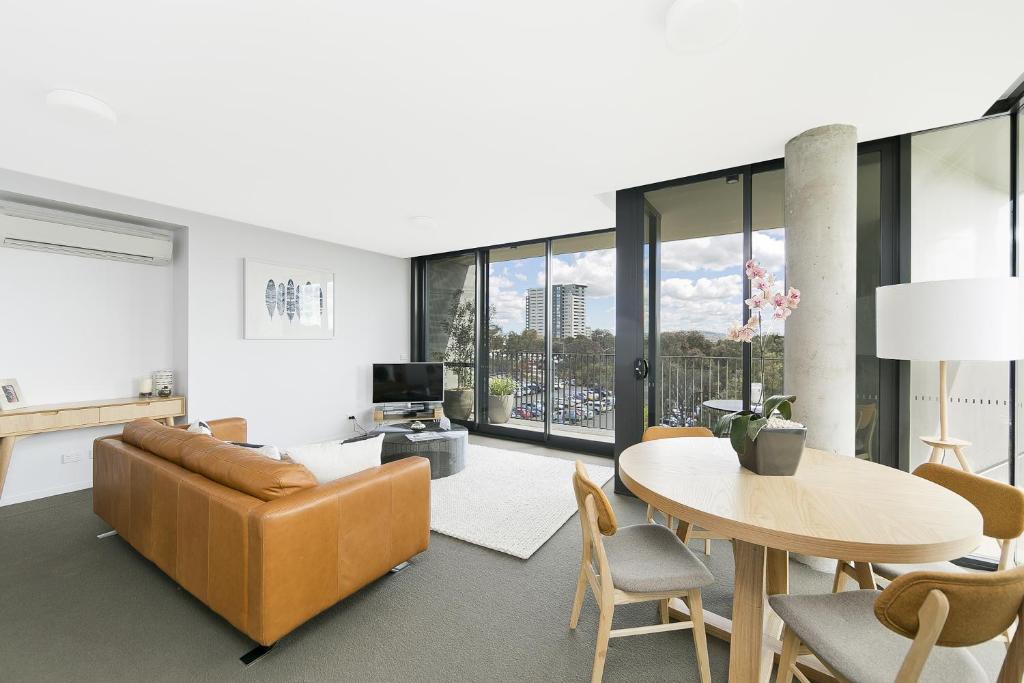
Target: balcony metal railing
583	392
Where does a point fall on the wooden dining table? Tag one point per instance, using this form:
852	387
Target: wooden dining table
834	507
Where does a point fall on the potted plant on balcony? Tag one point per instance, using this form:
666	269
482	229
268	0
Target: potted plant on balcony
766	443
500	399
459	328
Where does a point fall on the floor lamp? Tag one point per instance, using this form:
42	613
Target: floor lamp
976	319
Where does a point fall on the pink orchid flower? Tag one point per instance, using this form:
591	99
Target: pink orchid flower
757	301
792	298
781	313
753	269
779	300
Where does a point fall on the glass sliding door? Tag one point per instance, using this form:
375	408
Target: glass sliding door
960	228
869	277
450	329
768	248
517	305
583	336
698	372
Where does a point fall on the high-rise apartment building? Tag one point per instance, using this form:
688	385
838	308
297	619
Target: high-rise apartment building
568	310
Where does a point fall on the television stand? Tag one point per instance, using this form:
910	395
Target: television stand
385	413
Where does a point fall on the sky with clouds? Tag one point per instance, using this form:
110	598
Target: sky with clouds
701	281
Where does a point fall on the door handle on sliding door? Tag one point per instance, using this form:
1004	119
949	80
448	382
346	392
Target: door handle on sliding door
640	368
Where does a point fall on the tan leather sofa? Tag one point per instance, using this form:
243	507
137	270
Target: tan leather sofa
257	540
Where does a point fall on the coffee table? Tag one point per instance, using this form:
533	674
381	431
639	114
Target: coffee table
447	454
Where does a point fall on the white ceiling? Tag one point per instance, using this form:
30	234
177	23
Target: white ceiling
501	120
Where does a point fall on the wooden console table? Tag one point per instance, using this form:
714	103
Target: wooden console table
22	422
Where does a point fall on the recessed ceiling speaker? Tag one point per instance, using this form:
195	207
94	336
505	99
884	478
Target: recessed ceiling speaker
696	26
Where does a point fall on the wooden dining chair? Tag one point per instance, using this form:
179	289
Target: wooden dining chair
1002	514
638	563
655	433
862	635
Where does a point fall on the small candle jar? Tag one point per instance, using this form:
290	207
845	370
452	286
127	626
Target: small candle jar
146	386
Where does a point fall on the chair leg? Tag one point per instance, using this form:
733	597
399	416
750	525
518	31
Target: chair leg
787	660
840	578
577	603
604	628
663	610
650	513
700	638
707	547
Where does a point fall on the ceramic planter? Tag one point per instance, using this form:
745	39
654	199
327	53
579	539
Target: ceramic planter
458	404
775	453
499	409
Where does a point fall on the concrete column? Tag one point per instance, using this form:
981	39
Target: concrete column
821	261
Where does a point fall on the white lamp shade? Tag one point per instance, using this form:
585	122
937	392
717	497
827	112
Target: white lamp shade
972	319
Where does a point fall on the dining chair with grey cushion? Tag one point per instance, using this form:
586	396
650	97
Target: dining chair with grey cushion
916	630
659	432
1002	514
638	563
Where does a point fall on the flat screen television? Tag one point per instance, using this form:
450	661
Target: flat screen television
408	382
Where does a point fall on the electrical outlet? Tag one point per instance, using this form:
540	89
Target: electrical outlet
70	458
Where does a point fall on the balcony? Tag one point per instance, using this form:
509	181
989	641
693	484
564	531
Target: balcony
583	392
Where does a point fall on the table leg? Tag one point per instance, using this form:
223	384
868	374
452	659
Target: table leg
746	646
777	583
865	575
6	453
169	421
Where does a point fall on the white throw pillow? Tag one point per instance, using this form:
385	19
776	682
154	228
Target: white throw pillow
200	427
268	451
330	460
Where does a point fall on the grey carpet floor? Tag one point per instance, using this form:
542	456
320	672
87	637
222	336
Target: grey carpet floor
76	608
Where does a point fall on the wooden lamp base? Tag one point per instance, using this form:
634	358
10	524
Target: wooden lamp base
944	442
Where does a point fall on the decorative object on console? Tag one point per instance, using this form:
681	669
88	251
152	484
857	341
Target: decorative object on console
500	399
10	395
163	383
331	460
145	387
975	319
766	444
287	302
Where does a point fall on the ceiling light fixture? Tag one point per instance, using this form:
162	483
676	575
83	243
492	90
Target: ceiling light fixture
72	99
695	26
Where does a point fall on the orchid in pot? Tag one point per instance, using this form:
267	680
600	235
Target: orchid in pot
768	442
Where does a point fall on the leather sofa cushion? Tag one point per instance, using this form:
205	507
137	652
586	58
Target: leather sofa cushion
158	439
241	469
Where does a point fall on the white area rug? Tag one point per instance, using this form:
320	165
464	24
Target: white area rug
508	501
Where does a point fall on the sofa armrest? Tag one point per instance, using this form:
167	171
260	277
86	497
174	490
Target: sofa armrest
310	549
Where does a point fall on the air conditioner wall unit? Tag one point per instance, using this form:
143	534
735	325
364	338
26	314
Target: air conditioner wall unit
24	226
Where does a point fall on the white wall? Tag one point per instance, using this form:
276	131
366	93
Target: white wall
76	329
291	392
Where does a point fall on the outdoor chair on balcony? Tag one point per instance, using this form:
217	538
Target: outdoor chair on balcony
653	433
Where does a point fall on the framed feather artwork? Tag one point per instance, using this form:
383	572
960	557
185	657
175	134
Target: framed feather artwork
287	302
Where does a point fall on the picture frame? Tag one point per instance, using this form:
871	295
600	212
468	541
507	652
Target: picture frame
284	301
11	396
